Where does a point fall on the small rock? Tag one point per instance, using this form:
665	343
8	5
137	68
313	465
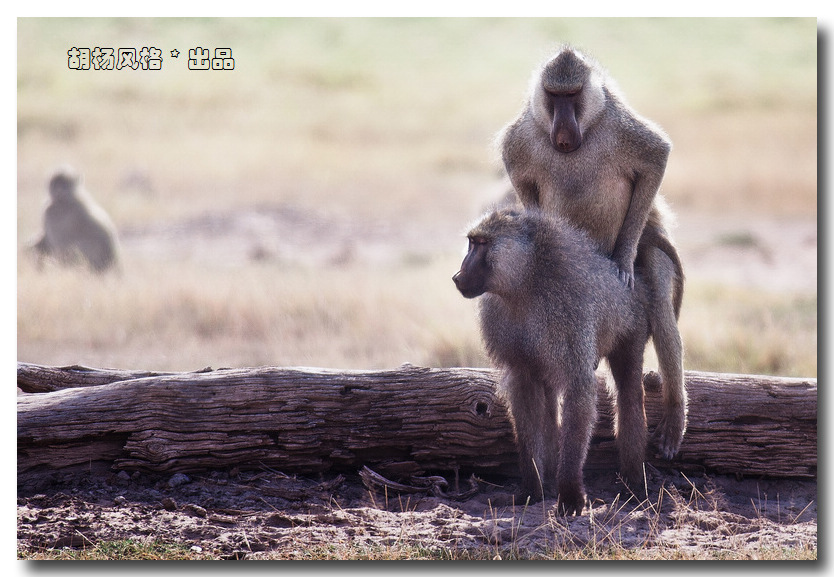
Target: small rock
120	501
178	479
169	504
122	479
197	510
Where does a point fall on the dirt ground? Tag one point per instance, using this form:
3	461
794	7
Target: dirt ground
263	514
778	254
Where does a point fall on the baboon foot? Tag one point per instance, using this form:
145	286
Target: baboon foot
523	497
632	476
529	493
572	500
669	433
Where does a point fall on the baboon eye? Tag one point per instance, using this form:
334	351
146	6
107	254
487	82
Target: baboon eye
564	93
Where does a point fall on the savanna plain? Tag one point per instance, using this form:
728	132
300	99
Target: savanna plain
308	209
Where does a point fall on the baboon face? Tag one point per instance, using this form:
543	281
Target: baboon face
497	258
565	134
566	83
471	279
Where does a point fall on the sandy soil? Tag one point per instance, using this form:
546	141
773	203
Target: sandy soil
778	254
265	514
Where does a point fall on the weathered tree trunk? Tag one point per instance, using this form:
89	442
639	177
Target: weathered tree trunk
400	422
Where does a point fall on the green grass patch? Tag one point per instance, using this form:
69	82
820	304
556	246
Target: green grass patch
124	550
154	551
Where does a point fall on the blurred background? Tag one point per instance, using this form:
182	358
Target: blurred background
308	207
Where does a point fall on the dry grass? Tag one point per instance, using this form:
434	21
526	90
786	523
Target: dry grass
747	331
180	317
379	121
186	317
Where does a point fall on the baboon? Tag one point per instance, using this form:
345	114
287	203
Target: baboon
552	307
75	226
579	151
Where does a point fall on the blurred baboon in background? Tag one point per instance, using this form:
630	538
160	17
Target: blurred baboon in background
75	227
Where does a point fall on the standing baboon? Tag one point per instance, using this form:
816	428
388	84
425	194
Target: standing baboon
552	307
75	226
579	151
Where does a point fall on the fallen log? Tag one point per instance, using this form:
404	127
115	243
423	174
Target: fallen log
404	422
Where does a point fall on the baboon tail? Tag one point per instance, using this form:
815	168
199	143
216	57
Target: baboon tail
656	237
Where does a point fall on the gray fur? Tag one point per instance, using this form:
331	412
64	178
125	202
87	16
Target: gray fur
552	307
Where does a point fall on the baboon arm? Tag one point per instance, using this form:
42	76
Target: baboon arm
516	154
645	187
625	247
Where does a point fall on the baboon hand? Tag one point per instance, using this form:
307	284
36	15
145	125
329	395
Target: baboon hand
626	274
625	266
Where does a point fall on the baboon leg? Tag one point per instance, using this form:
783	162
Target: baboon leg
42	249
577	425
534	424
550	431
669	348
630	421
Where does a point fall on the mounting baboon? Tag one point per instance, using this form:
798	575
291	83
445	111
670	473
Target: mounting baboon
579	151
552	306
75	226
